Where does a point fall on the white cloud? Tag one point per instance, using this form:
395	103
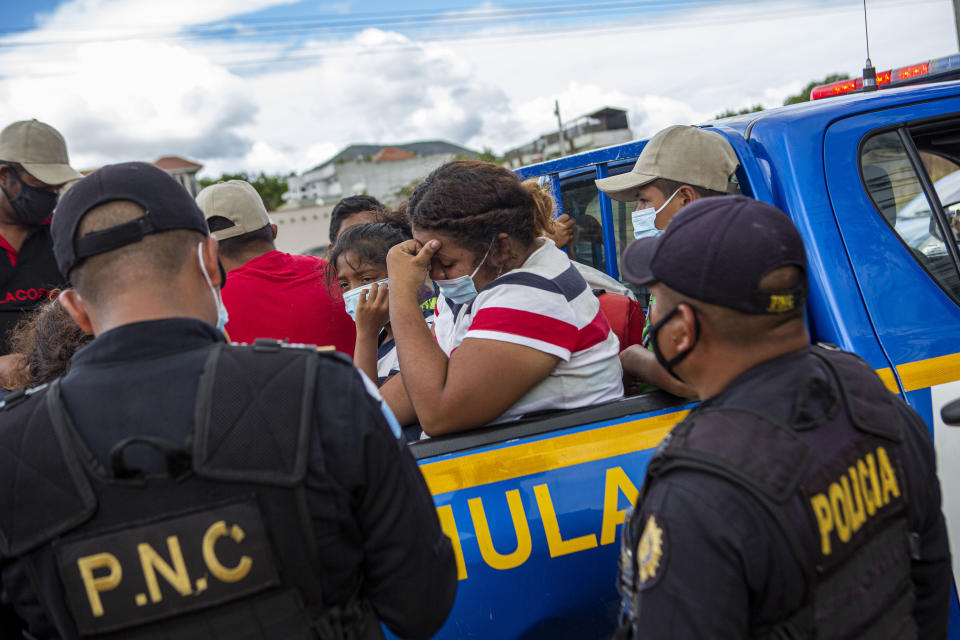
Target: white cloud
715	59
137	100
137	16
373	96
243	105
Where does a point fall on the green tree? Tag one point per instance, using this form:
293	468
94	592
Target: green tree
270	187
730	112
487	155
804	95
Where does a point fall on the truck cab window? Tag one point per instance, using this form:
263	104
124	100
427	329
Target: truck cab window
581	201
896	191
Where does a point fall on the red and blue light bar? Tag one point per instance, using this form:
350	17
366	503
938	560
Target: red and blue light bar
889	77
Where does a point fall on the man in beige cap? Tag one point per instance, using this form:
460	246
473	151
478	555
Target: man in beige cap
268	293
33	166
679	165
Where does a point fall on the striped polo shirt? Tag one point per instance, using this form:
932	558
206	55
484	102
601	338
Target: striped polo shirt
545	305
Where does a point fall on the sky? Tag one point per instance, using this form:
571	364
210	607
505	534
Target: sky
282	85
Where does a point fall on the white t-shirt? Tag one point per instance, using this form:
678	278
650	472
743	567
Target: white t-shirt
388	363
545	305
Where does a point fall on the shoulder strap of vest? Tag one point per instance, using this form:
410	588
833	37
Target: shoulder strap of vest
741	446
45	490
767	459
254	413
869	403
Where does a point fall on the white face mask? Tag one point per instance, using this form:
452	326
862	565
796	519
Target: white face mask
462	290
352	298
644	219
222	315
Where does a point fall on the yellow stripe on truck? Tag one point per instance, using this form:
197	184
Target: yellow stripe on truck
507	463
930	372
888	379
550	453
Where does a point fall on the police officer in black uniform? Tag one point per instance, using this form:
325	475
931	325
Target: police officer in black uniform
174	486
800	499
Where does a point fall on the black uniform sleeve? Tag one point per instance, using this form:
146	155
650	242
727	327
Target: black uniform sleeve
722	561
410	574
10	624
930	570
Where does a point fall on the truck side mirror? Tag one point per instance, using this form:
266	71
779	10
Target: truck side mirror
951	413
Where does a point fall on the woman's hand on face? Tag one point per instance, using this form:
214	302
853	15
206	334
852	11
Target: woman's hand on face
408	266
373	309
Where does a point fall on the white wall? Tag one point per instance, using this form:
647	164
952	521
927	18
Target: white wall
302	228
382	180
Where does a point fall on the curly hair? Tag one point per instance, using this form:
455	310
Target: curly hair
543	214
46	338
369	242
473	201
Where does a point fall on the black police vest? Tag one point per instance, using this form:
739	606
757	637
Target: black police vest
833	481
220	547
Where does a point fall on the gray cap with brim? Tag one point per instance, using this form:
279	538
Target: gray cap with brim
39	149
238	202
682	153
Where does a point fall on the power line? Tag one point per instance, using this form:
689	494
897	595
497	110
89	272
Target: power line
340	49
390	19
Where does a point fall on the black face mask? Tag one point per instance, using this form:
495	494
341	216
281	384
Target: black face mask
677	359
34	205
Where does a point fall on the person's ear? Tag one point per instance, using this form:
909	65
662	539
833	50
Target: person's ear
684	335
502	252
273	228
5	171
75	307
687	195
210	263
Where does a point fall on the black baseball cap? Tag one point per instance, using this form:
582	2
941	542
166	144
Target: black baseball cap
717	250
167	204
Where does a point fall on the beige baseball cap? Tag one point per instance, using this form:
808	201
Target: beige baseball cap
238	202
39	149
681	153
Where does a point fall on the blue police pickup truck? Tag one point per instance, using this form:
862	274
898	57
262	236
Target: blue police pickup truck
535	508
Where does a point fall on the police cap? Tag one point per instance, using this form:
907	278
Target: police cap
717	250
167	204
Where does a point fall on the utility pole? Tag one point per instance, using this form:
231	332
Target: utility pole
956	20
556	112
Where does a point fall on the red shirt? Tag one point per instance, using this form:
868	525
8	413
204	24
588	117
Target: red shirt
285	296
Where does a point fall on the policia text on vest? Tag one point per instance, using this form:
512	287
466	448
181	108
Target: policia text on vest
849	502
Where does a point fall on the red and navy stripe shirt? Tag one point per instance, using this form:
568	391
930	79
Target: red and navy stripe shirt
545	305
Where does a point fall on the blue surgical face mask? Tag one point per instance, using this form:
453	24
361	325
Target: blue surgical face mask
462	290
352	298
644	219
222	315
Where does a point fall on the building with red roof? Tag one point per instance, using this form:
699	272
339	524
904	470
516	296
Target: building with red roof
183	170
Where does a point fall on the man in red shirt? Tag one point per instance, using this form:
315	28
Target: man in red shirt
268	293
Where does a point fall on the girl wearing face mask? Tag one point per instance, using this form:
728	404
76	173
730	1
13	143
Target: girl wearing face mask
518	329
360	268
